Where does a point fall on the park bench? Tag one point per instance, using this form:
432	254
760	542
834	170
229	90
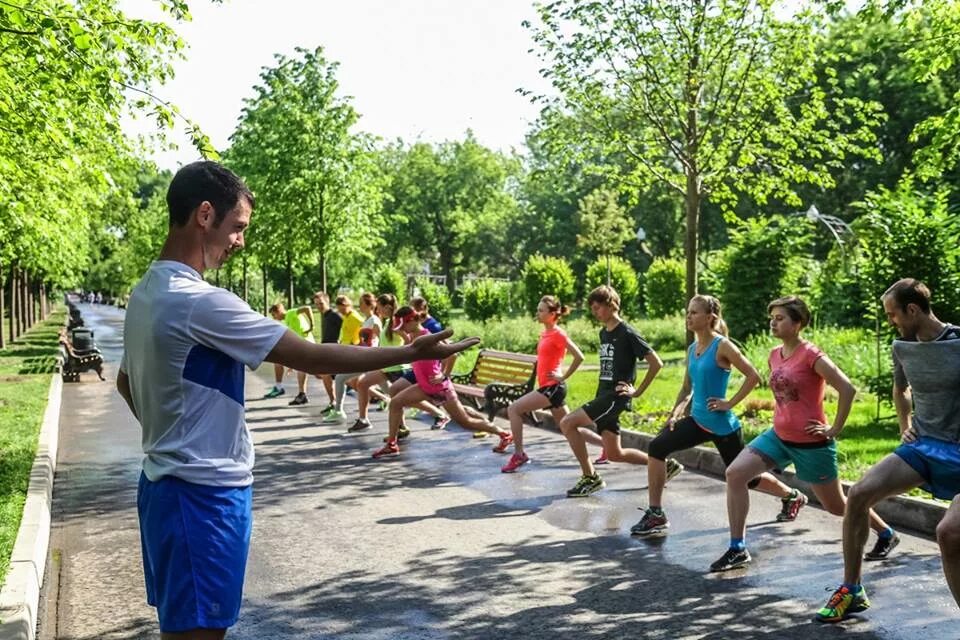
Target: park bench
497	379
78	355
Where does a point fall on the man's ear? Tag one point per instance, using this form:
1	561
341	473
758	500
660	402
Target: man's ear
205	215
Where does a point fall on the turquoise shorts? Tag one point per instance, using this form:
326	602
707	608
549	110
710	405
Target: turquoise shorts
816	463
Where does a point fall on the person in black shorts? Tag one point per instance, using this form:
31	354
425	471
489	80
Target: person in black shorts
620	349
329	334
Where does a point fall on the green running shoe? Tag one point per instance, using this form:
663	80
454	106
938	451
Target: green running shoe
842	603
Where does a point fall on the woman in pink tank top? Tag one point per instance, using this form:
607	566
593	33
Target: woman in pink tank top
551	389
432	386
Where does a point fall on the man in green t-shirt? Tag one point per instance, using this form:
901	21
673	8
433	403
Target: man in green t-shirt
300	321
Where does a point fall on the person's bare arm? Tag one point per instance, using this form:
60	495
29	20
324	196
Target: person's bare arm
574	350
729	352
837	379
123	386
654	364
298	354
904	406
683	399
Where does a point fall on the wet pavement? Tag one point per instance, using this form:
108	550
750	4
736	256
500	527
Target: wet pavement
439	544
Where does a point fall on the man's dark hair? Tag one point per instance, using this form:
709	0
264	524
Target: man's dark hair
910	291
204	180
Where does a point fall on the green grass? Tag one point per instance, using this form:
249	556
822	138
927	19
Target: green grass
25	368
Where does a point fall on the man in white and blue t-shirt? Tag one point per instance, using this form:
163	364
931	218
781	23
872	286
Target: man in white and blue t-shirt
186	343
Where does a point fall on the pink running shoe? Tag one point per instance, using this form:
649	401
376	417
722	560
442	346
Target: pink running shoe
506	439
516	461
602	458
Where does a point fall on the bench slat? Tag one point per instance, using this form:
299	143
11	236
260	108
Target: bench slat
506	355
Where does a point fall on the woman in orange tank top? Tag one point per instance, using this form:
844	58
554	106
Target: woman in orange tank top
551	389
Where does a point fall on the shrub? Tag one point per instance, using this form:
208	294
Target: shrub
665	287
542	276
521	334
764	260
622	278
904	233
663	334
484	299
390	280
437	297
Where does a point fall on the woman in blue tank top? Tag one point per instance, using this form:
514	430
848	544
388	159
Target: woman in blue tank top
709	360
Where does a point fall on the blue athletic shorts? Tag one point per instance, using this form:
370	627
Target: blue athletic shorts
195	540
409	377
937	462
815	463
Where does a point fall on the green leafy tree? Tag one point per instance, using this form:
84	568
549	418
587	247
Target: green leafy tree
452	202
604	225
701	97
318	184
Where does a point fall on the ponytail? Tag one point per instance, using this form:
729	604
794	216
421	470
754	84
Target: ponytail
554	306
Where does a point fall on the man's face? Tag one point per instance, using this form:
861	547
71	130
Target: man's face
905	320
221	241
277	314
601	311
321	303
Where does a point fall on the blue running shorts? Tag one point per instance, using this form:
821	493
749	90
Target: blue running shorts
815	463
937	462
195	540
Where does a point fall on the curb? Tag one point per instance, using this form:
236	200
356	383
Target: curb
20	596
903	512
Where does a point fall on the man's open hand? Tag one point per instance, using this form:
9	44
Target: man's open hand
435	347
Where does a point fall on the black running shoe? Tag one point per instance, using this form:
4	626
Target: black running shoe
301	398
883	548
359	425
731	559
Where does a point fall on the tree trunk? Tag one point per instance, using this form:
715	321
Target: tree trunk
216	278
31	301
323	272
266	297
289	281
22	297
691	243
13	304
44	302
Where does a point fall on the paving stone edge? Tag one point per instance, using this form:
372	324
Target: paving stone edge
902	512
20	596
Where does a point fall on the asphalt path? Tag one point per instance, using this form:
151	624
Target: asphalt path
439	544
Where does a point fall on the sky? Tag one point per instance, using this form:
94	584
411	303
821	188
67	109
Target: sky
416	69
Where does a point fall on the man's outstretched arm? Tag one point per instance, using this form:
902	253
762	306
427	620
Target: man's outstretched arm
298	354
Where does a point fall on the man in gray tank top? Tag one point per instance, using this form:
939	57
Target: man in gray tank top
926	393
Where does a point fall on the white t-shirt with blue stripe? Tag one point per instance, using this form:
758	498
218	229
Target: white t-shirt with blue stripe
185	345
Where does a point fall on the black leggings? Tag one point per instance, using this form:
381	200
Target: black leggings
687	434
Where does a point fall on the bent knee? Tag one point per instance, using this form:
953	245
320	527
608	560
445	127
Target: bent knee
657	451
948	535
